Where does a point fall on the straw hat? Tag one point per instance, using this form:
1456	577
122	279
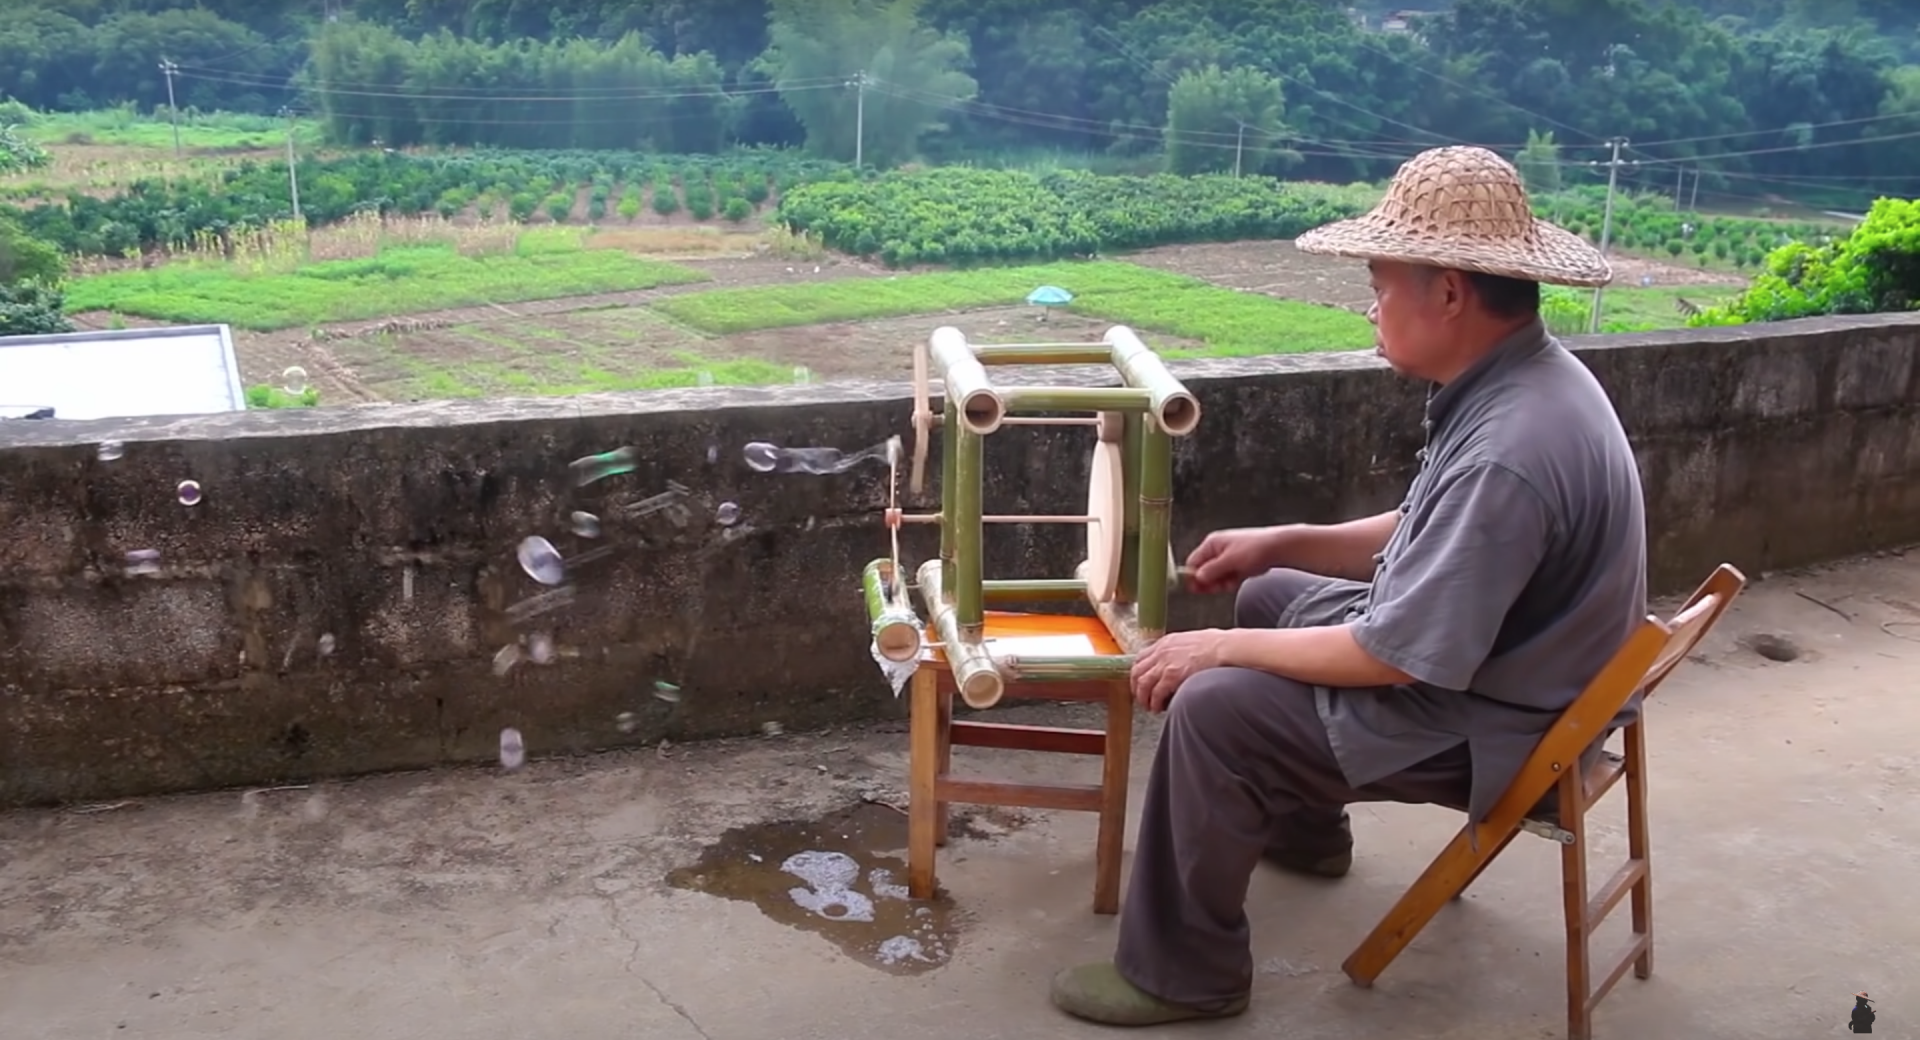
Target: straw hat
1463	208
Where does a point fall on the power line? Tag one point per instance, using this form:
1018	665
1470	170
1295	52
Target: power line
695	91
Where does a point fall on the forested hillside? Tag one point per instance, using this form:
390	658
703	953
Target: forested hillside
1760	96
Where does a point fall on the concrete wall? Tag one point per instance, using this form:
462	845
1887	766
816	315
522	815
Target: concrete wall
1768	447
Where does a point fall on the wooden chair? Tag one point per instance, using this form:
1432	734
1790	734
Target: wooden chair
934	733
1646	659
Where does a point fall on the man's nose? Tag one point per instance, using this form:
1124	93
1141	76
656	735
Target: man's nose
1373	312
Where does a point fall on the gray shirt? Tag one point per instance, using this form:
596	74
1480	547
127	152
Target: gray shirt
1516	572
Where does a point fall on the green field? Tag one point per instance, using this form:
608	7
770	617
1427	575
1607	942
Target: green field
398	281
1230	323
199	131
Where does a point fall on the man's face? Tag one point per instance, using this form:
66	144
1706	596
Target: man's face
1414	315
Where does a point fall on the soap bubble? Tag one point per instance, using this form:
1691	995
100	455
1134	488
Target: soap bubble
513	750
189	492
704	379
143	561
586	525
667	691
325	645
728	514
606	464
713	454
761	456
801	375
626	722
541	561
294	380
506	658
111	450
771	729
540	648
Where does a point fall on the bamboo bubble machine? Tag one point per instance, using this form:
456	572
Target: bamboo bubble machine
1129	567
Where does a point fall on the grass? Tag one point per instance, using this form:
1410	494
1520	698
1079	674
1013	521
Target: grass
426	380
1229	323
127	127
395	281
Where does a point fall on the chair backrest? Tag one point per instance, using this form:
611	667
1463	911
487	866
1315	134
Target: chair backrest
1645	660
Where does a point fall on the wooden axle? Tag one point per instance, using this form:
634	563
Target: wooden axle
895	518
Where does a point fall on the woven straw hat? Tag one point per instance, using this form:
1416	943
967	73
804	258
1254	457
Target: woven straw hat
1463	208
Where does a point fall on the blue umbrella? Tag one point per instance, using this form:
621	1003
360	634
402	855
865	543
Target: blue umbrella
1049	296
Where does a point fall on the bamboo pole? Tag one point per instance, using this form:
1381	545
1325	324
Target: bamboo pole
962	507
1042	353
1177	410
1156	515
974	674
949	479
1033	590
1044	420
896	628
1121	619
979	406
1003	518
1077	668
1129	585
1028	399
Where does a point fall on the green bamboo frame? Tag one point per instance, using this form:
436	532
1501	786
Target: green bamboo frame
1145	414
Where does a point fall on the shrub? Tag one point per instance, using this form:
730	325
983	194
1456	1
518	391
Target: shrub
738	209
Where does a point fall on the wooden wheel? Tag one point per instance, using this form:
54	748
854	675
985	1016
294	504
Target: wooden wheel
1106	512
922	418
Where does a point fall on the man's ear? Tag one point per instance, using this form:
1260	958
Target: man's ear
1453	293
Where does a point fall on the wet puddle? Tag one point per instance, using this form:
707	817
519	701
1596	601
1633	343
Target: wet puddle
825	876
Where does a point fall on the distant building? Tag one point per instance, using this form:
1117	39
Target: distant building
1401	21
120	373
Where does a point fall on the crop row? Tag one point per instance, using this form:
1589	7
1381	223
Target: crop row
518	184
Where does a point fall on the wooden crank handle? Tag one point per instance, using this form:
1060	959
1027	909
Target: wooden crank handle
922	418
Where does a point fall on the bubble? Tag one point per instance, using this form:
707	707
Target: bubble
325	645
713	454
606	464
728	514
761	457
704	379
143	561
294	380
586	525
801	375
667	691
626	722
540	648
541	560
189	492
771	729
111	450
505	658
513	750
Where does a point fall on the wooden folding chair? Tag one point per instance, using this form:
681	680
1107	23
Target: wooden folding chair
934	732
1646	659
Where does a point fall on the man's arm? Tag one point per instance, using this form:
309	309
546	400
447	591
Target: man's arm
1335	550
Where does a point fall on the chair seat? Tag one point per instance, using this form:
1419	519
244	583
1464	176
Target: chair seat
1037	634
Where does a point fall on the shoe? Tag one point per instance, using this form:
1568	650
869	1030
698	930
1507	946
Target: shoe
1334	866
1099	993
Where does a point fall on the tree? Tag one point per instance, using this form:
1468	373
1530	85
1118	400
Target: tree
1225	120
911	73
30	274
1539	163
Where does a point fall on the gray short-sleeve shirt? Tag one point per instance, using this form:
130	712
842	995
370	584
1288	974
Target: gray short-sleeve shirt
1517	570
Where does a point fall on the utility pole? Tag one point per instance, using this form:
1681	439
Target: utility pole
1679	184
170	70
1606	224
860	120
293	170
1239	143
1694	202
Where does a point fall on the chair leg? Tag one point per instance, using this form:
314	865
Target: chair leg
1573	891
944	741
1634	749
923	766
1443	879
1116	756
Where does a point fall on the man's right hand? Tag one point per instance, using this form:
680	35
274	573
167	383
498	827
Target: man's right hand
1227	558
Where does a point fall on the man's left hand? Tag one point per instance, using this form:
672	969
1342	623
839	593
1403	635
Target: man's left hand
1170	661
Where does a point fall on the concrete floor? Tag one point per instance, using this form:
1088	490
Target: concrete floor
478	904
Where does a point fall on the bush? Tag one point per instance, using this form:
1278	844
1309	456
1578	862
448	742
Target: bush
738	209
32	309
665	202
559	206
1875	268
264	396
629	207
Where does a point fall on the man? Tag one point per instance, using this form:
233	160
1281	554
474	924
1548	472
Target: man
1862	1019
1414	656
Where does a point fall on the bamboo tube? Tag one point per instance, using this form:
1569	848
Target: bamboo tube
949	479
896	628
1076	399
974	674
1173	406
1121	620
1033	590
1079	668
962	508
1042	420
1156	513
1041	353
1003	518
978	404
1129	585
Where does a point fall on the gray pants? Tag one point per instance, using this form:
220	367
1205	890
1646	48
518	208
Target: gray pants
1244	766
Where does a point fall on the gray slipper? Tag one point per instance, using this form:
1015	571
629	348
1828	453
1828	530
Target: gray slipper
1099	993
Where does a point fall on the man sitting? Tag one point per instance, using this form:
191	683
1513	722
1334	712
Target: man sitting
1414	656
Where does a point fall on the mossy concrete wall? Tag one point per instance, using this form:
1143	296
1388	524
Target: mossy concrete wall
391	529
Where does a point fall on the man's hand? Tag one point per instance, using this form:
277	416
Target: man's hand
1170	661
1226	558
